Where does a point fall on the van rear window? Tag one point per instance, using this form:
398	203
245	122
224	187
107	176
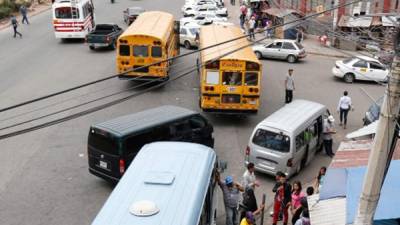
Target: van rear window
103	143
272	140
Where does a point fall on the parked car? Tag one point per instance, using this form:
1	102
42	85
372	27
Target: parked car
131	13
199	3
192	11
373	112
199	19
187	35
104	35
286	49
360	68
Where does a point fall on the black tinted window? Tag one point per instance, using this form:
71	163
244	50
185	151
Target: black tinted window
361	64
376	66
289	46
156	51
251	78
197	122
183	31
124	50
103	143
140	50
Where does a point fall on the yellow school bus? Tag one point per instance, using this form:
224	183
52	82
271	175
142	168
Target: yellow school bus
230	84
153	37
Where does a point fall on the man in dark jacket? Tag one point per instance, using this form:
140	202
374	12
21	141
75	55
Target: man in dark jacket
14	23
283	197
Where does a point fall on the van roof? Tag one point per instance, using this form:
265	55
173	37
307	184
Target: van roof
173	175
128	124
291	116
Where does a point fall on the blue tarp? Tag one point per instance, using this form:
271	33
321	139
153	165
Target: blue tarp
348	182
335	184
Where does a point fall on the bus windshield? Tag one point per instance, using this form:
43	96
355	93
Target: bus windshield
66	13
103	143
271	140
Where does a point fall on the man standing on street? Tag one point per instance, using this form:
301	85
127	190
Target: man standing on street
289	85
252	26
231	193
343	108
329	129
283	197
24	12
14	23
249	178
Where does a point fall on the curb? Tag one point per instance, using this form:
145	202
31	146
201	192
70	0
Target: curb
327	55
4	23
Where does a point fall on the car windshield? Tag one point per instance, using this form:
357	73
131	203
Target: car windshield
272	140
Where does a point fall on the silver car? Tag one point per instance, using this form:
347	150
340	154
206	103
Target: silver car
189	34
289	50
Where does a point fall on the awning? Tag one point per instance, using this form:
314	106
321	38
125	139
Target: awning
364	131
278	12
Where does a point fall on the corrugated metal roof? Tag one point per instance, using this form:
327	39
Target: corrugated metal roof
215	34
141	120
153	23
292	115
279	12
179	201
348	21
327	212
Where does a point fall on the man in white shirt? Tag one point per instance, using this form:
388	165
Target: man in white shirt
328	130
249	179
252	26
289	86
343	108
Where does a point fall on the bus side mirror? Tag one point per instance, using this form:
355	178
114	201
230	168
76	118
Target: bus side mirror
222	165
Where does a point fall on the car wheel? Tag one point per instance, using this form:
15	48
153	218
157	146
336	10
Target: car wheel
187	44
258	54
91	47
348	78
291	59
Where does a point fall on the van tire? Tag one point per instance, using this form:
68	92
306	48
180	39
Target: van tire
91	47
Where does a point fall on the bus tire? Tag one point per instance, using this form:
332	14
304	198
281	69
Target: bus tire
91	47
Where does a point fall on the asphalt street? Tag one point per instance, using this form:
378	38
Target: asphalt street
44	176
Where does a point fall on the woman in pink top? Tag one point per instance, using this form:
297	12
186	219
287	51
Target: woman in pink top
296	208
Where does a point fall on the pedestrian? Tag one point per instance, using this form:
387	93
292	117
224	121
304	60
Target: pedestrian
23	10
305	218
310	191
231	192
276	186
343	108
328	130
319	180
252	26
249	178
299	35
242	18
282	200
250	216
296	206
14	24
289	86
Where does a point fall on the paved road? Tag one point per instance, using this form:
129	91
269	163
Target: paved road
43	174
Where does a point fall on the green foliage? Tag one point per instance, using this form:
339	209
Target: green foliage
5	11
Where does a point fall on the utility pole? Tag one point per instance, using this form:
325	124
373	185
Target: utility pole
380	155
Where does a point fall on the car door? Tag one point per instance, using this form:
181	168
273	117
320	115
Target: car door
377	71
272	50
360	68
287	49
182	35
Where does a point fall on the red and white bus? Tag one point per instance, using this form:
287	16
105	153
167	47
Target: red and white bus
73	18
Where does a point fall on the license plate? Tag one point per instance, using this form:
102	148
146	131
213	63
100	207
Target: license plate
231	89
253	102
103	164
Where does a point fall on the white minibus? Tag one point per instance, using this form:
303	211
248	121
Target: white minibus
288	139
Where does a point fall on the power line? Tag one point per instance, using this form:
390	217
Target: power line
166	60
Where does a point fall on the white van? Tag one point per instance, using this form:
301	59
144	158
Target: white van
288	139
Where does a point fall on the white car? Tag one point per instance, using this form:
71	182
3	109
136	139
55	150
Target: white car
360	68
187	35
197	4
203	19
192	11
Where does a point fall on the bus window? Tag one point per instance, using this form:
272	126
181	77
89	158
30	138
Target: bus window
232	78
66	13
212	77
156	51
103	143
140	50
251	78
124	50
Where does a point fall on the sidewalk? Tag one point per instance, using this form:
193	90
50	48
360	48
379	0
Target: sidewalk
33	10
311	43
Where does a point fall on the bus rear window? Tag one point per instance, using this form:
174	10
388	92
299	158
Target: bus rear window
251	79
272	140
156	52
124	50
103	143
232	78
66	13
140	51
